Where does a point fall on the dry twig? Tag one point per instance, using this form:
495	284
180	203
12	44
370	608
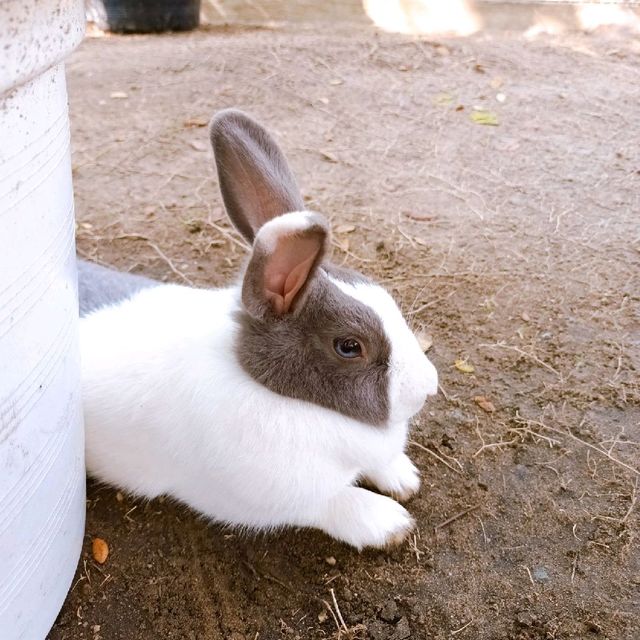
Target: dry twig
437	457
455	517
156	248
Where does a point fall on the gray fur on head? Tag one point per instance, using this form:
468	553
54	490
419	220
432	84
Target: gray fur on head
293	355
289	346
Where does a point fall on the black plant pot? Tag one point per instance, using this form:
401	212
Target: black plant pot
144	16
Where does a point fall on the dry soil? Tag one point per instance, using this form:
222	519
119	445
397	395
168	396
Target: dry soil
516	247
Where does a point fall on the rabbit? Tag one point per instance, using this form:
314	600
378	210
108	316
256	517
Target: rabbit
268	403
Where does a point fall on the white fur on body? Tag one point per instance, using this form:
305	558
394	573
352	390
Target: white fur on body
168	410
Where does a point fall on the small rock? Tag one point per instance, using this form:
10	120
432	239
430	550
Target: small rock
402	630
379	630
322	617
525	619
331	561
484	404
540	574
425	340
389	611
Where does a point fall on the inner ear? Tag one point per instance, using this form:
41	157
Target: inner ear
286	253
287	270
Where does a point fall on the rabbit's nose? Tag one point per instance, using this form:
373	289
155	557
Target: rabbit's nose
417	381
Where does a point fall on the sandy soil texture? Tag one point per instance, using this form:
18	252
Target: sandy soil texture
516	247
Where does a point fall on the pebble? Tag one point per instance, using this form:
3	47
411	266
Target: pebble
389	611
540	574
402	630
525	619
379	630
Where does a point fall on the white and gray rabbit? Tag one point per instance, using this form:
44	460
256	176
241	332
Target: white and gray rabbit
262	404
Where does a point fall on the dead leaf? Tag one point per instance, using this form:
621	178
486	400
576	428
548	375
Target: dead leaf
464	366
484	404
343	244
336	81
479	68
194	226
442	99
418	215
198	146
525	316
100	550
460	107
328	156
421	241
425	340
195	122
118	95
482	116
345	228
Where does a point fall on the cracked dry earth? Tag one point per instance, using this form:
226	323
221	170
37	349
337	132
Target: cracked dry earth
515	247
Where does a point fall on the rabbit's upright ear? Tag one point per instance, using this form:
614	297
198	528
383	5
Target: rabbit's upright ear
255	180
286	254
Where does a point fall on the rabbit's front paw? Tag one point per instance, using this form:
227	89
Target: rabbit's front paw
362	518
399	478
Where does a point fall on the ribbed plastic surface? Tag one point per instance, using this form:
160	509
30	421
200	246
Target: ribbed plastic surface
42	481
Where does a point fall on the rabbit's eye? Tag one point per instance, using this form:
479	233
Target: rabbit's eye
347	348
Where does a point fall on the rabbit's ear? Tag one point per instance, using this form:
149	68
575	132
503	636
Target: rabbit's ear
286	253
255	180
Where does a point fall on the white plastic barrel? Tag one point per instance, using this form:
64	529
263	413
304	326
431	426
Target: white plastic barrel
42	481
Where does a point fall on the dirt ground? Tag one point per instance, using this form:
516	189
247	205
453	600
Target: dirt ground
516	247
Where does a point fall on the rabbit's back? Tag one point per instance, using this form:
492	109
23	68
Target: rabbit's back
143	361
100	286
